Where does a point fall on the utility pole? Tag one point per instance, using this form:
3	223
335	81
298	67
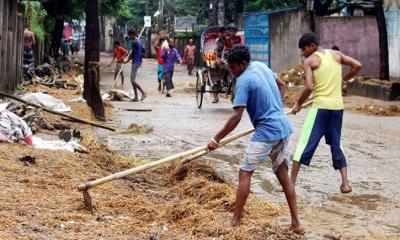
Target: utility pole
148	52
161	16
214	12
221	12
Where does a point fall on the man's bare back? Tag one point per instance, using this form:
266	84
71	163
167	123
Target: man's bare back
29	38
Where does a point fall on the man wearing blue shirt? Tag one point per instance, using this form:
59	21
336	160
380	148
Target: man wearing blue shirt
260	92
136	57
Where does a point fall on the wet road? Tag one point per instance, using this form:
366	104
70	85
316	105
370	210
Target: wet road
371	145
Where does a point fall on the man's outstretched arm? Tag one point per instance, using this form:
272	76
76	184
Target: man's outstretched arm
230	125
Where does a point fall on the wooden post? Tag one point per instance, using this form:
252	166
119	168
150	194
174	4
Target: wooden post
14	45
1	43
383	41
91	92
9	42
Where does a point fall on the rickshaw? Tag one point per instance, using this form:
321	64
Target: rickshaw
213	76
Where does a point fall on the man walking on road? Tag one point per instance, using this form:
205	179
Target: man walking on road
258	90
29	41
190	55
136	56
170	55
323	68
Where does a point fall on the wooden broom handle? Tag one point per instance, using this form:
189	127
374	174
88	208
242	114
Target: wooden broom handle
199	151
154	164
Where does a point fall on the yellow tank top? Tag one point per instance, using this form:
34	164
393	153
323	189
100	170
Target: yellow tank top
328	83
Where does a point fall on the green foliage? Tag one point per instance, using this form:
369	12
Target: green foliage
35	15
115	8
137	9
258	5
197	8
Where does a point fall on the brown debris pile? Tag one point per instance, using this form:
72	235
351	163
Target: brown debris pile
138	128
388	109
41	200
294	76
373	81
294	79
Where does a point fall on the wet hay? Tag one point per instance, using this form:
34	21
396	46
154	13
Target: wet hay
40	201
138	128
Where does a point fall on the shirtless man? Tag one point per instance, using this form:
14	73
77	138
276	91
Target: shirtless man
29	41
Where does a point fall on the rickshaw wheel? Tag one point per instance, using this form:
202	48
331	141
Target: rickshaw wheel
199	90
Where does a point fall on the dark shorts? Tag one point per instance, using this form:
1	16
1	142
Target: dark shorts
319	123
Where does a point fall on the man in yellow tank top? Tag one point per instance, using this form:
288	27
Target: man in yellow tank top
323	69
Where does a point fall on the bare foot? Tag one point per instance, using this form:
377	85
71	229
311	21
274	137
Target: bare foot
235	222
345	188
143	97
296	230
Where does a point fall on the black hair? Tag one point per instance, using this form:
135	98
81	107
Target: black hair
334	47
308	39
116	43
231	26
238	54
132	32
222	29
27	25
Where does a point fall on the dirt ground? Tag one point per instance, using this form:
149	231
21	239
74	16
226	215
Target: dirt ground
161	204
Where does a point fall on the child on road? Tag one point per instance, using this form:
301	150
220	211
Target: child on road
119	55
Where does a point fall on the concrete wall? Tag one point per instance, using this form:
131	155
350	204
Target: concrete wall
392	12
355	36
286	29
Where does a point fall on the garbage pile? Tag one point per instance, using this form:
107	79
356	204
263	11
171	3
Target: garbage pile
51	75
19	122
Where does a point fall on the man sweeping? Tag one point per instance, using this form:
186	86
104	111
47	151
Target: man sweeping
323	69
119	54
258	91
136	57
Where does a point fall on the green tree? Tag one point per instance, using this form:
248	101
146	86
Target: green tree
258	5
115	8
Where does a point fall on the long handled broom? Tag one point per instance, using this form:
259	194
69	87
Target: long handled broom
193	153
123	65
